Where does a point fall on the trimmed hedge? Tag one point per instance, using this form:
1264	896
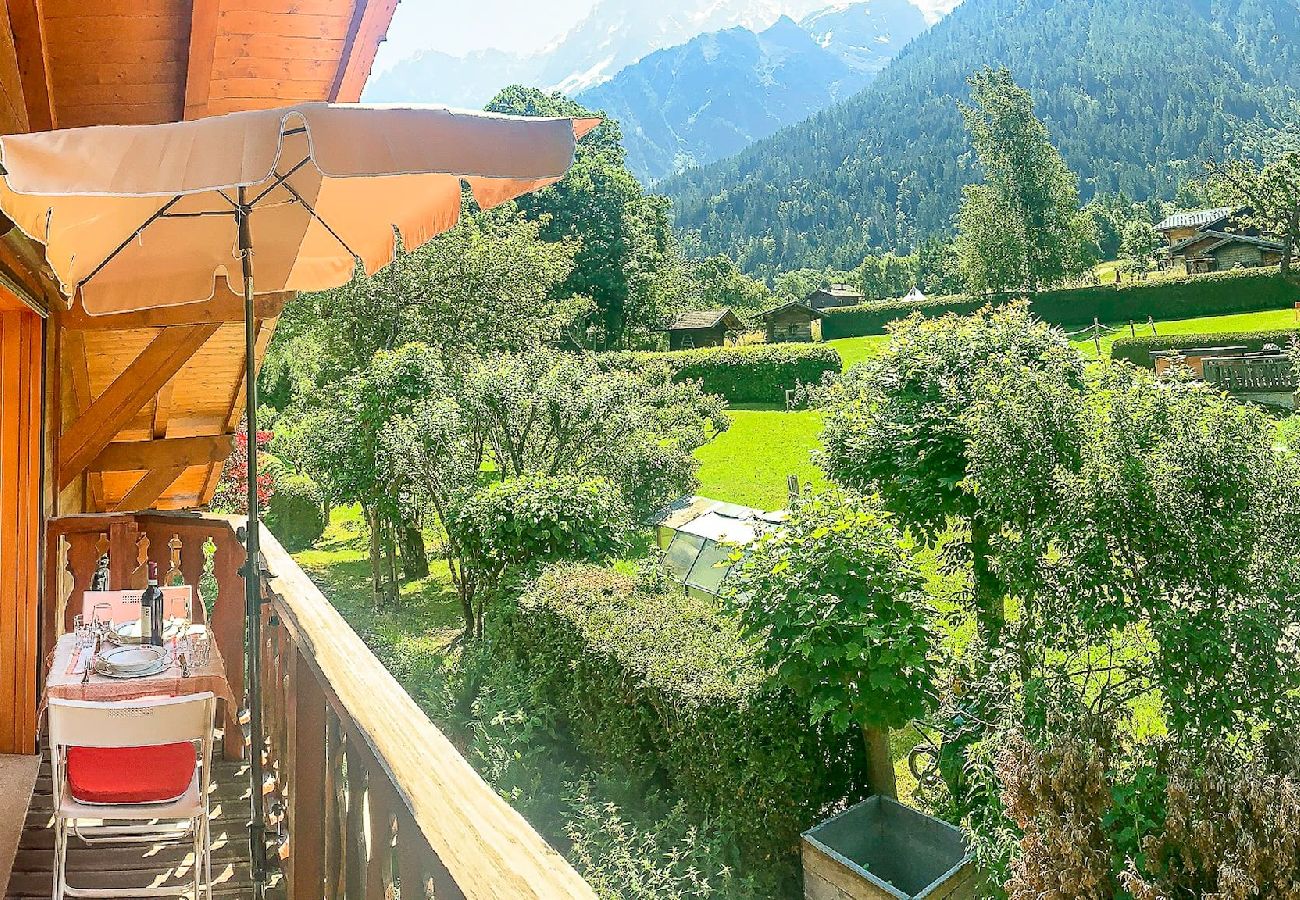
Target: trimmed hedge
753	373
296	513
1138	350
874	317
1218	293
661	687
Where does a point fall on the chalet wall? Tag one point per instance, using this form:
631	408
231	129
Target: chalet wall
21	339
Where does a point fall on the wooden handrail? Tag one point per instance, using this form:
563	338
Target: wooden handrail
488	849
363	791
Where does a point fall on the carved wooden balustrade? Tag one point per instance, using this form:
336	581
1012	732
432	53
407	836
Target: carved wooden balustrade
366	798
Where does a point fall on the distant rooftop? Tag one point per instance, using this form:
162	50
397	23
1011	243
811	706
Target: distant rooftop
1195	218
699	318
841	290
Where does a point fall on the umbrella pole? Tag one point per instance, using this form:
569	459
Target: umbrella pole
252	564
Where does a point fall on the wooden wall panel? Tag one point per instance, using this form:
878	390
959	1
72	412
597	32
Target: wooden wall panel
21	339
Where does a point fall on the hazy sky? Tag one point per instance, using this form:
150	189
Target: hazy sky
521	26
457	27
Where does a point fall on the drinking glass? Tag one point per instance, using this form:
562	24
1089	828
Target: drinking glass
200	649
101	617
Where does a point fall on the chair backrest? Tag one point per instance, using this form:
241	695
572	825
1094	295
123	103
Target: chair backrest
146	722
126	604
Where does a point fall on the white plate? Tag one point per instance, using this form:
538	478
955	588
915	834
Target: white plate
132	659
126	633
109	672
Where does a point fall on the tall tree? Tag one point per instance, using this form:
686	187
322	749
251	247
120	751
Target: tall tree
1272	193
628	264
1022	228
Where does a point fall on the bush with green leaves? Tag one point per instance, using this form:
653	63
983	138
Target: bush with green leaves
662	689
524	523
839	613
296	514
753	373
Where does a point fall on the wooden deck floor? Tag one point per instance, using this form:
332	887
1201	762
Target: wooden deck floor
139	865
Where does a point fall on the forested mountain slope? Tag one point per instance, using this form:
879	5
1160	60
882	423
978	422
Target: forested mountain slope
1135	93
718	93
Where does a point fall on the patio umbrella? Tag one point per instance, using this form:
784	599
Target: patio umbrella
140	216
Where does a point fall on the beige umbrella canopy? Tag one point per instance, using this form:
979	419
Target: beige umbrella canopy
140	216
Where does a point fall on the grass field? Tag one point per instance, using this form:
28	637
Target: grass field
749	463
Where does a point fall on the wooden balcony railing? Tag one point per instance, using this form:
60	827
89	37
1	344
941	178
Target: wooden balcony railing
367	799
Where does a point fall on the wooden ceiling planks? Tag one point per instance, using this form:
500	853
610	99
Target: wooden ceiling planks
248	55
136	55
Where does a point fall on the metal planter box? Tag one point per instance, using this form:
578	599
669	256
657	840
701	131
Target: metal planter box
881	850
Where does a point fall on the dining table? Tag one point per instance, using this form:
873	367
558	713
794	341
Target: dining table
67	679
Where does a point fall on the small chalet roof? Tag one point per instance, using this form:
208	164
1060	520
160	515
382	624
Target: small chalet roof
838	290
1197	218
705	318
1215	240
792	305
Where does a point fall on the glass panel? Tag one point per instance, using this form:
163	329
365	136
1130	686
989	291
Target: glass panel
682	553
711	567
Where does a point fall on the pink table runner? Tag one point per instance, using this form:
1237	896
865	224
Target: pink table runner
64	678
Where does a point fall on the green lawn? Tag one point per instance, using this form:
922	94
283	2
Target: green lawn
855	350
749	463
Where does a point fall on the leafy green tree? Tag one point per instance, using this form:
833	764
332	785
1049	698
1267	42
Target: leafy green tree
521	524
341	442
1272	192
544	414
489	284
842	620
886	276
1140	244
1022	228
716	282
938	268
901	427
628	263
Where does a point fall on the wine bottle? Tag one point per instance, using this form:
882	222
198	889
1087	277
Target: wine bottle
151	607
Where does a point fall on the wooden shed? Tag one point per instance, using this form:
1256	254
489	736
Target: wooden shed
792	322
834	295
703	328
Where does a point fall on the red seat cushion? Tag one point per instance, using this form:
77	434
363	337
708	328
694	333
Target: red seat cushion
130	774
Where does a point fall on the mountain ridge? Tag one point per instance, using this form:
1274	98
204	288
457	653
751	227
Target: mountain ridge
1134	94
719	92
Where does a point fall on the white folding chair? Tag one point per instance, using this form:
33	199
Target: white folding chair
88	795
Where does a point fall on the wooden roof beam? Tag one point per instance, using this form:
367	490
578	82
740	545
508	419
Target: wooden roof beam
224	308
203	50
145	456
33	63
137	384
149	488
369	27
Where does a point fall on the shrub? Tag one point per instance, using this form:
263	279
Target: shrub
1138	350
754	373
1218	293
295	515
663	689
526	522
874	317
